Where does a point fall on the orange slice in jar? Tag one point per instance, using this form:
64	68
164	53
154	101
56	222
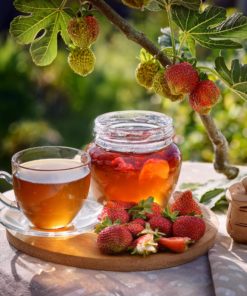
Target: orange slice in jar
154	168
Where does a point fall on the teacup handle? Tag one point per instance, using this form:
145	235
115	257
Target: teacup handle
9	203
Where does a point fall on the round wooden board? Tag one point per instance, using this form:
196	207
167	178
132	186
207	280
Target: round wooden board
81	251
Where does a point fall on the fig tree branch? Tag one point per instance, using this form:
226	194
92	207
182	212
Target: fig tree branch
217	138
220	148
130	32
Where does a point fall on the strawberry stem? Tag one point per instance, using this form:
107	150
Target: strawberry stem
62	4
181	44
213	72
169	15
142	208
167	213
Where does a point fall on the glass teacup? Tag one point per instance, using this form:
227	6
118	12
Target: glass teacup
50	184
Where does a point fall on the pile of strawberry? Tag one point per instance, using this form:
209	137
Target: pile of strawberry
144	228
178	81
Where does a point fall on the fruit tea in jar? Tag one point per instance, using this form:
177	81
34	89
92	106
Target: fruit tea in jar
133	157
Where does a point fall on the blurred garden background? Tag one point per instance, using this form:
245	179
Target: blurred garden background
52	105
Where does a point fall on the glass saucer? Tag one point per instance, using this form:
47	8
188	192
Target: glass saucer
15	220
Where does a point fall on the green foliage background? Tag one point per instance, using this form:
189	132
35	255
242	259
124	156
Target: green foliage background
52	105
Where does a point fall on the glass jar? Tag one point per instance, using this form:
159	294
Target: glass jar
134	157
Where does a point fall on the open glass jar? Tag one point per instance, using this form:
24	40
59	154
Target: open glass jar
133	157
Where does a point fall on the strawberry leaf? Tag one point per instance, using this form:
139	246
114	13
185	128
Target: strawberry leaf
142	208
148	230
105	223
221	205
206	197
167	213
40	26
236	77
211	28
203	76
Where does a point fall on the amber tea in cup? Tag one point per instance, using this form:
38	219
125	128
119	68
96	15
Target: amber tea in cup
51	184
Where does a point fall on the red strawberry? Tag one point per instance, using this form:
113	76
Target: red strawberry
204	96
119	204
115	214
134	228
139	221
83	31
181	78
114	239
121	164
177	194
156	210
186	205
162	224
189	226
103	224
99	157
175	244
144	245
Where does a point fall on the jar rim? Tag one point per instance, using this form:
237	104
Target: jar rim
133	130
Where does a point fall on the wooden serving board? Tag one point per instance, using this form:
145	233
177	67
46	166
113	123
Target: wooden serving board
81	251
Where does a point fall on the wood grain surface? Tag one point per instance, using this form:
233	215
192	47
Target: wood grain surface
81	251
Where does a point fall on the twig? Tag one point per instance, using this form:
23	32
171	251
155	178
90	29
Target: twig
220	148
217	138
